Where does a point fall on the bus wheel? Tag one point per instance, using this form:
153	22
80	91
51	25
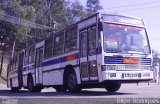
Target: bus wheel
31	86
38	89
71	82
13	89
112	86
60	88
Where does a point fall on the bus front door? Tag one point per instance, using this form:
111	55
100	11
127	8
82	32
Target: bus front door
38	69
88	57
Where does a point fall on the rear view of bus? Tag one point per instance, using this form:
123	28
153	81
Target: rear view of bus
126	53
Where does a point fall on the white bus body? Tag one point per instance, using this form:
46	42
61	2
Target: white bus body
103	50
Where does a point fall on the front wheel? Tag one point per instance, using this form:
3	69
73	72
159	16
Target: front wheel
71	82
31	86
112	86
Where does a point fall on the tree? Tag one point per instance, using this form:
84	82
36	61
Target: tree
155	58
46	12
93	6
74	12
14	8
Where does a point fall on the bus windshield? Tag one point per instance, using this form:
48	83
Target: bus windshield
125	39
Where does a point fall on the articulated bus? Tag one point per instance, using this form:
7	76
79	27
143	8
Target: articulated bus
102	51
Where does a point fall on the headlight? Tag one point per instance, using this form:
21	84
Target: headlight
147	68
120	67
108	67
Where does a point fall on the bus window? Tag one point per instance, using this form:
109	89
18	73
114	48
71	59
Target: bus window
71	39
84	44
48	48
16	61
26	57
92	41
58	43
31	54
123	38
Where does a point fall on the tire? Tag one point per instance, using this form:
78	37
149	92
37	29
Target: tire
31	87
60	88
13	89
38	89
71	82
112	86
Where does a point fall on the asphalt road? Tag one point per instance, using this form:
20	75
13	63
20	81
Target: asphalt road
128	93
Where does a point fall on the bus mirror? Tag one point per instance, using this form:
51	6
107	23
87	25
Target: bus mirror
100	28
99	50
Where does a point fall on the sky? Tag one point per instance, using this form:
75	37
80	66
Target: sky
148	10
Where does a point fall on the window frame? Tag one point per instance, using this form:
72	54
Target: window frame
31	53
49	45
59	44
93	28
86	42
71	37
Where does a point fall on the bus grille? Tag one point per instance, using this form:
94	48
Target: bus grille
119	60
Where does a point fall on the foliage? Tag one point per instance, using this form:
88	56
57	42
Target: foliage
93	6
17	32
156	55
54	13
74	12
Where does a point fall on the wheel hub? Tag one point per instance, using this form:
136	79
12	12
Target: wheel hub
72	81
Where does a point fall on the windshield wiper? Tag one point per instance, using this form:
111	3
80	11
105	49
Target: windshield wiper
135	52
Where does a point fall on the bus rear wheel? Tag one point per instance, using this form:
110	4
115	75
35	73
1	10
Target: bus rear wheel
13	89
71	82
112	86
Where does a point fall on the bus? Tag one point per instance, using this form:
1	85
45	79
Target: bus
102	51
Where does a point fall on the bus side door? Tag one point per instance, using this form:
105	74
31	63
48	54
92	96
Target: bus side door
88	57
38	69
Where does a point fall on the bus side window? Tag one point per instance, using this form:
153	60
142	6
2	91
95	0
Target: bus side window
31	54
92	41
48	51
26	60
71	39
58	43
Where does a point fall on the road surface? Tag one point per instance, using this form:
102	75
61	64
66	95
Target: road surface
128	93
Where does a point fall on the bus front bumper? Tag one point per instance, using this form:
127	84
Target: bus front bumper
127	75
